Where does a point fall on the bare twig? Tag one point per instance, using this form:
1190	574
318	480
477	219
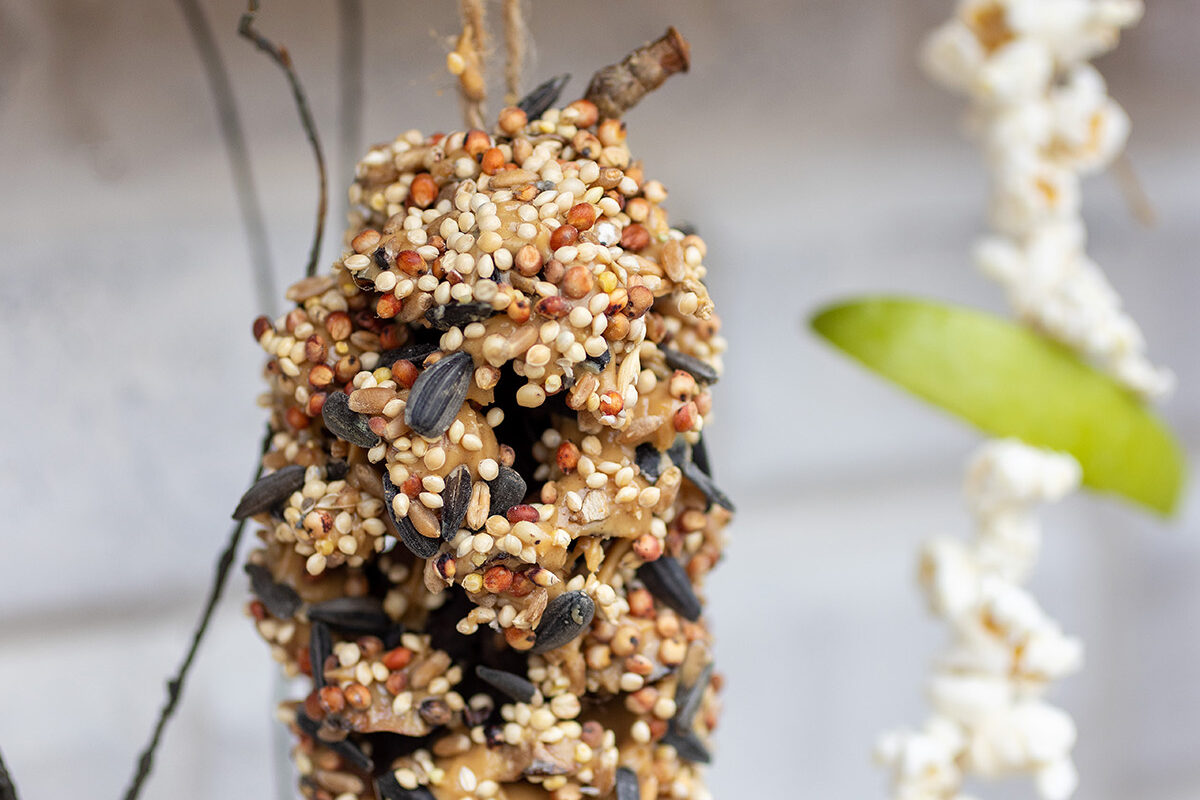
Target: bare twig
350	90
236	151
281	57
145	763
618	87
8	790
235	144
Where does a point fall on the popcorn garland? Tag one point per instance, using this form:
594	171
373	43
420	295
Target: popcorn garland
986	688
1044	118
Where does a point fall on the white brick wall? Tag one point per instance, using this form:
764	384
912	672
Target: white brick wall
815	160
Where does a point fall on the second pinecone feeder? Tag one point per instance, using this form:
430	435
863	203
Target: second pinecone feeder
488	511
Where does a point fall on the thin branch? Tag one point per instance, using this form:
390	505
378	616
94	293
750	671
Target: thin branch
145	763
235	144
8	790
236	151
350	89
618	87
281	57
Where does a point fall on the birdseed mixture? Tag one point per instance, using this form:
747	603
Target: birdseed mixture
488	512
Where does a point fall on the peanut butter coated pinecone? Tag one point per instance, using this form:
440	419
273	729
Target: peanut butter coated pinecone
487	515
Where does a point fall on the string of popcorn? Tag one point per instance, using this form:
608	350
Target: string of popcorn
1044	119
986	690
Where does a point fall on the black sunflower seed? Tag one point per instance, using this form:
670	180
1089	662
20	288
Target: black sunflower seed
658	672
320	646
336	470
688	745
700	370
545	186
278	598
649	460
509	683
353	615
627	785
420	546
700	456
437	395
458	315
541	98
269	491
389	789
666	579
345	424
507	489
344	747
686	228
455	499
705	484
680	452
415	353
597	363
565	617
687	698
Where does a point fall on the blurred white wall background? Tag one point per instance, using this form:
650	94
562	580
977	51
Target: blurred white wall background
815	159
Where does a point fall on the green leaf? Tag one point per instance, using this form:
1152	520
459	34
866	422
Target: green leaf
1010	381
